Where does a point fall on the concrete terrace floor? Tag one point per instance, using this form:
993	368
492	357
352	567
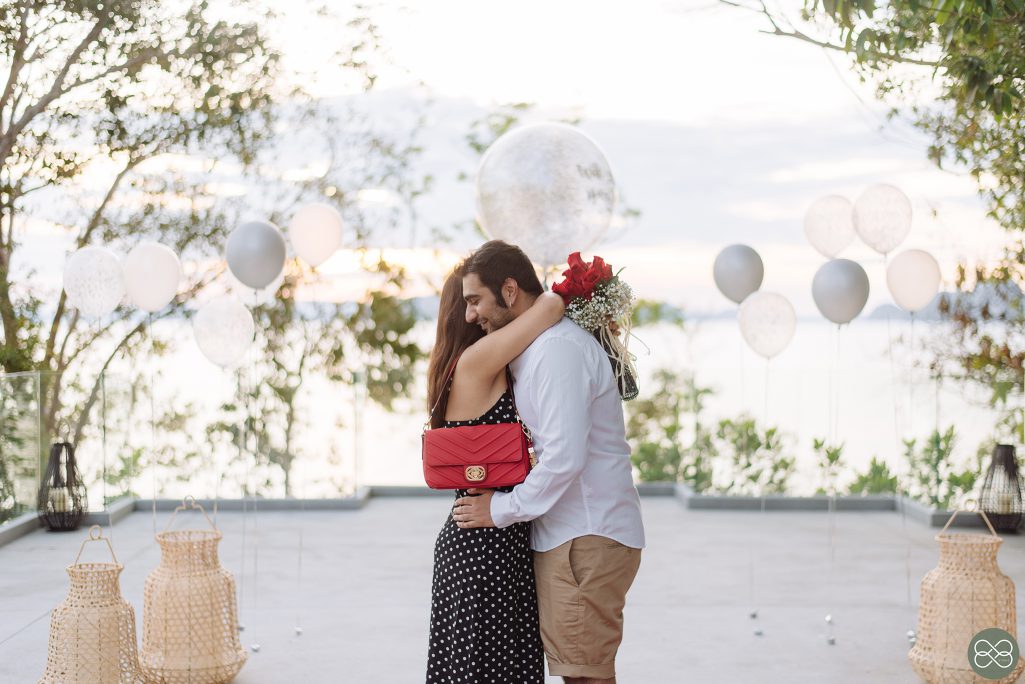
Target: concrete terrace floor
366	575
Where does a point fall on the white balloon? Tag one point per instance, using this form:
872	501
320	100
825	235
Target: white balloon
152	275
224	329
547	188
840	290
828	224
738	271
767	322
914	279
94	281
882	217
316	232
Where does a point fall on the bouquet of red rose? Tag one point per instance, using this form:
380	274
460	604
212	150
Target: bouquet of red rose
601	303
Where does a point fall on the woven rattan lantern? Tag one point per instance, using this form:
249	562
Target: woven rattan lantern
92	633
1002	490
190	615
62	501
965	594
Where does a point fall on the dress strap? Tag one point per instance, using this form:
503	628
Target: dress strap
444	390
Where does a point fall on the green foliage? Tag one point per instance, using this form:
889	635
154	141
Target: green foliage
656	431
160	102
829	462
971	51
878	479
756	456
650	312
935	478
671	442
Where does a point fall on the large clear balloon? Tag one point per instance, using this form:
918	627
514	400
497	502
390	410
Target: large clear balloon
316	232
224	330
94	281
547	188
256	253
828	224
882	217
152	275
914	279
738	271
767	322
840	290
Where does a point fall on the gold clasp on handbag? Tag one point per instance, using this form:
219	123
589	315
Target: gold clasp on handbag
475	473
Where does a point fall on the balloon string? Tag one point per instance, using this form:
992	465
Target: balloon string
911	378
253	462
740	365
245	489
153	424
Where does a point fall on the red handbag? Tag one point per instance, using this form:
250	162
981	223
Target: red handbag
484	456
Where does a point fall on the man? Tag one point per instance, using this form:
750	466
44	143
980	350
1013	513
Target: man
587	532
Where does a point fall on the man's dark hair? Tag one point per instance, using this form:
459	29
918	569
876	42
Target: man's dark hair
495	261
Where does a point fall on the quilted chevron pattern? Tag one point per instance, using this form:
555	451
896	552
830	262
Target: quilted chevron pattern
500	448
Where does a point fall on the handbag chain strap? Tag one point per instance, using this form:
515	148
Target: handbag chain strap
447	387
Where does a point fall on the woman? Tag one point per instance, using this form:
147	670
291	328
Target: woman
484	625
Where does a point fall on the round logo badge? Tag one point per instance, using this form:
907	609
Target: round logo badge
993	653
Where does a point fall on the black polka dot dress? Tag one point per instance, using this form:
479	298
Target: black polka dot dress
484	625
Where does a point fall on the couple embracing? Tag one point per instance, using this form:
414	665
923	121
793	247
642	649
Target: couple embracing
542	567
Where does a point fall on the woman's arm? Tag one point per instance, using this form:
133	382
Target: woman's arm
493	352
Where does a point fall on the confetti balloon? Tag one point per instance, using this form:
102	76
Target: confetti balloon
767	322
94	281
882	217
224	330
548	189
828	224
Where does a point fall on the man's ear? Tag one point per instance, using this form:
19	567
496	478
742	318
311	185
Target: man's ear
510	292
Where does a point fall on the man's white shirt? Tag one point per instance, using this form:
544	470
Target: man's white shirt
583	482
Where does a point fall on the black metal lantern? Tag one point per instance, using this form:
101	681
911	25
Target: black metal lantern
62	500
1002	493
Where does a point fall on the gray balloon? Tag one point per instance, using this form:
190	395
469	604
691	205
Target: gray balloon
256	253
840	290
738	271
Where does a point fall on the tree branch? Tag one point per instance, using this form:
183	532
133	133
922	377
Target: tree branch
8	136
17	61
799	35
83	416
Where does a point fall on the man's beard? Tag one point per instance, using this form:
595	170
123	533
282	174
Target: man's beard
496	322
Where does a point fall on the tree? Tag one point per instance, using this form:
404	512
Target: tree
166	103
970	54
971	51
104	90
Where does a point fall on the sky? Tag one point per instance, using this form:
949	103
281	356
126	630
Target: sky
716	132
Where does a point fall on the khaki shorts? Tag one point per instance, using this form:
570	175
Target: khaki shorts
581	591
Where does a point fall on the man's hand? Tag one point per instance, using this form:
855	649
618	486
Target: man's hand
474	511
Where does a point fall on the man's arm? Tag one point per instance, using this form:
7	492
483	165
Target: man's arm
562	393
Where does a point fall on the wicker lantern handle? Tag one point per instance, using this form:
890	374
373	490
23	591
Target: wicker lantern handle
971	506
189	502
96	534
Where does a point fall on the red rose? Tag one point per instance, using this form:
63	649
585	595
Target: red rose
582	277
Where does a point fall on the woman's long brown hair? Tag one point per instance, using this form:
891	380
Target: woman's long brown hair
453	337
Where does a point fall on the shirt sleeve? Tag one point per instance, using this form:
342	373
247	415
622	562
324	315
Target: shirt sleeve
561	390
